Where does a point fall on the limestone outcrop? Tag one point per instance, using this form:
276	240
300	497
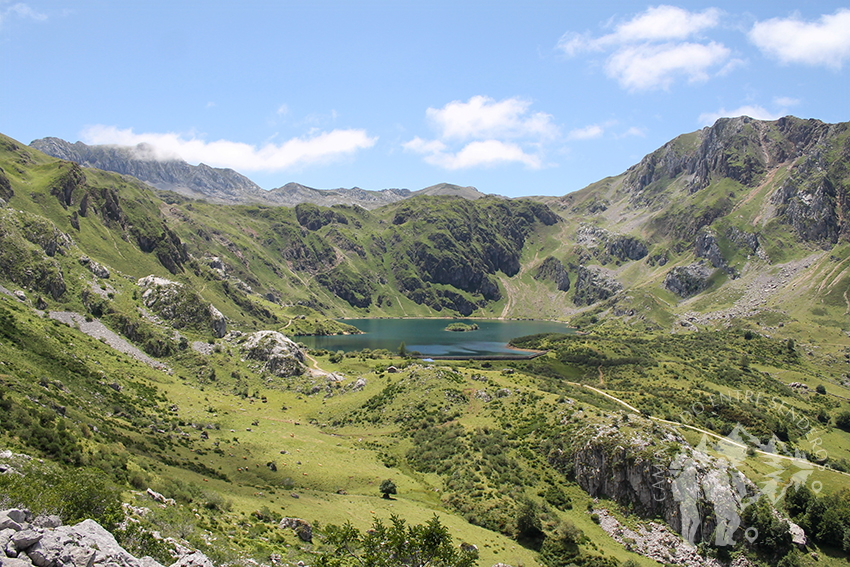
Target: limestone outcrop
280	355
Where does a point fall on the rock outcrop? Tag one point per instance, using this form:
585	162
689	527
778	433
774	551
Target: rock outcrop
593	284
689	280
28	246
180	306
302	528
551	269
655	471
279	355
44	542
96	268
606	246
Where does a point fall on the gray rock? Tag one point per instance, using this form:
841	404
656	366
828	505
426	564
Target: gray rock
84	545
219	323
689	280
44	521
24	539
280	355
302	528
96	268
196	559
593	284
798	535
22	561
6	537
551	269
7	523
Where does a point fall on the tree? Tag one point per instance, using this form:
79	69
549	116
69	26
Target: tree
842	420
820	389
428	545
387	488
402	349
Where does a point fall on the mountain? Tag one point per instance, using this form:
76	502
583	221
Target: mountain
141	162
223	186
703	405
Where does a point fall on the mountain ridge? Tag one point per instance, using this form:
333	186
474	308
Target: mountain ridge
223	185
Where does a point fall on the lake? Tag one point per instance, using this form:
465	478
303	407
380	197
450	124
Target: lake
429	336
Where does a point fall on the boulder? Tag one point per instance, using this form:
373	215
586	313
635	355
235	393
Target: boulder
280	355
689	280
24	539
219	323
86	544
196	559
302	528
96	268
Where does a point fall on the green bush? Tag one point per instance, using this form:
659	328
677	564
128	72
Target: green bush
394	545
72	494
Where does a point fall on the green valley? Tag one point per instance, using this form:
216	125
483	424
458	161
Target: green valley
149	345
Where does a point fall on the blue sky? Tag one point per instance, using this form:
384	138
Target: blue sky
514	98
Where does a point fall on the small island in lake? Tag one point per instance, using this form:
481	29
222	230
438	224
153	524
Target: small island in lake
462	327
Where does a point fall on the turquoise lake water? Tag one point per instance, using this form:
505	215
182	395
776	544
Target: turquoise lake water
429	336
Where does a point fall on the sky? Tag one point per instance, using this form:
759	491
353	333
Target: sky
513	98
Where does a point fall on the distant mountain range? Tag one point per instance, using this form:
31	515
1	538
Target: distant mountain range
224	186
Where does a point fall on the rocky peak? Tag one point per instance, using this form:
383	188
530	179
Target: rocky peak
143	163
741	148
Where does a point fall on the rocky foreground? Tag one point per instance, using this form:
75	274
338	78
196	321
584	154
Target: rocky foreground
42	541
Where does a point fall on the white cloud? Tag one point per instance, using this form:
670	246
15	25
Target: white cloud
20	10
633	131
664	23
486	153
483	132
650	51
282	110
753	111
24	11
647	67
586	133
292	154
792	40
483	118
786	101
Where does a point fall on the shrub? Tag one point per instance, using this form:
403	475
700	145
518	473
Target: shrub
73	494
396	544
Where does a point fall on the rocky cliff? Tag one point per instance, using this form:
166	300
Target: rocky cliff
142	162
653	470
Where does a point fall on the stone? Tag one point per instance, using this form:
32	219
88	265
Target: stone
25	539
689	280
196	559
798	535
280	355
302	528
6	537
23	561
219	323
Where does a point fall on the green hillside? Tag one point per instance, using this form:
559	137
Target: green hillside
144	337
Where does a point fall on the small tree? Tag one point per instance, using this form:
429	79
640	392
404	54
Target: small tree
402	349
387	488
842	420
399	545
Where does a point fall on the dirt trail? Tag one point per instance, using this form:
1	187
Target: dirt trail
698	429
